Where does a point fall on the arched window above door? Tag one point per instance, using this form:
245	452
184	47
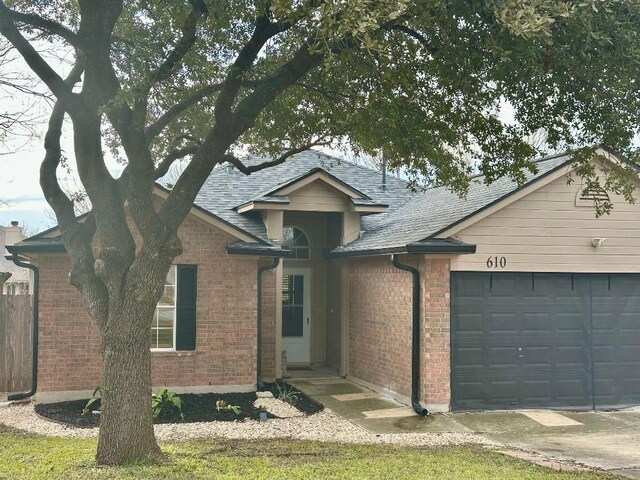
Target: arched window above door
297	241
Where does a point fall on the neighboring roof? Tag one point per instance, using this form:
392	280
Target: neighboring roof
38	245
224	191
18	274
437	209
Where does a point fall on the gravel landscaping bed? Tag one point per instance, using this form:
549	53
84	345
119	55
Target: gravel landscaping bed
323	426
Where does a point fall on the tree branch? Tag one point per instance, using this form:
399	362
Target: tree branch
46	25
173	156
55	196
412	33
250	107
154	129
248	170
38	65
77	236
263	32
228	128
164	70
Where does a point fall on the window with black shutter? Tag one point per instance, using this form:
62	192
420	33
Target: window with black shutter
174	321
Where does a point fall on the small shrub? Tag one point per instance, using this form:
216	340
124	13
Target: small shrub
287	394
94	402
165	402
223	405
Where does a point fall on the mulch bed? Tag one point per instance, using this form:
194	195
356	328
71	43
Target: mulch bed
196	408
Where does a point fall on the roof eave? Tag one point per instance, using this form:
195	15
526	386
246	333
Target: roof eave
457	248
261	205
257	251
40	247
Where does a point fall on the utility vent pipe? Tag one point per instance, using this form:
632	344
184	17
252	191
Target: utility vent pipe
384	173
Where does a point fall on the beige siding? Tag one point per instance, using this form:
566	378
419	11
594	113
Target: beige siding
318	197
546	232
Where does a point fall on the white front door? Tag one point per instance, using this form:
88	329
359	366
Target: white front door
295	314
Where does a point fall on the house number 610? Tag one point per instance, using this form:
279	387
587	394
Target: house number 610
496	262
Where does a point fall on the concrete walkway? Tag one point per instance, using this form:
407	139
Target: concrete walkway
374	413
565	440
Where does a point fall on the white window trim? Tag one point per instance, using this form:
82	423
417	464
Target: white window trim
175	315
296	247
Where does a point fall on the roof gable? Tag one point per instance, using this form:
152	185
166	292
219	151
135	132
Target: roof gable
318	174
227	189
316	190
537	182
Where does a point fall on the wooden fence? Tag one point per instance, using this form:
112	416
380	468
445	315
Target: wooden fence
16	323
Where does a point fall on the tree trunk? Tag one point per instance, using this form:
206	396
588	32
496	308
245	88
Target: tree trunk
126	419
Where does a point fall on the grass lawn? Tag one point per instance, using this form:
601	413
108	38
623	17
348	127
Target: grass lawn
26	456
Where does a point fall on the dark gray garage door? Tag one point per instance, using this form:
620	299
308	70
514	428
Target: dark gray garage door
545	340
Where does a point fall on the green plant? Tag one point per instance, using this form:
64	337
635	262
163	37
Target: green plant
165	402
94	401
223	405
287	394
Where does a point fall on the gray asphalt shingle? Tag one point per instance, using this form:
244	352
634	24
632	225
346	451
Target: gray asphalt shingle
223	191
435	209
411	216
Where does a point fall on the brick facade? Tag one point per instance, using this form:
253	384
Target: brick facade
379	324
268	341
380	319
435	340
226	322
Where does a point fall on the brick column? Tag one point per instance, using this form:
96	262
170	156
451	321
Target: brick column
435	345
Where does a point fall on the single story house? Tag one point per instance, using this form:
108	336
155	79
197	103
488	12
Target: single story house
511	297
14	280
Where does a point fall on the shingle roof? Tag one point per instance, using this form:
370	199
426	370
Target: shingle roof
411	219
223	191
436	209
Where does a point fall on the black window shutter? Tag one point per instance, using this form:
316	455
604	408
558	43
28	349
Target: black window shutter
186	307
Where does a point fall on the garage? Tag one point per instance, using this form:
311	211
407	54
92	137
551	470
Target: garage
545	340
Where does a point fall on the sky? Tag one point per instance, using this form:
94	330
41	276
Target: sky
19	185
20	190
20	157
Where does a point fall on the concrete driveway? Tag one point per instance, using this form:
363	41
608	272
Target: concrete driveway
605	440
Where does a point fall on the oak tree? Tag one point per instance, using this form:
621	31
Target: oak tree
157	81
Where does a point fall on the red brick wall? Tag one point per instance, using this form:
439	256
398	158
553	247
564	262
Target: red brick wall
380	317
226	322
68	345
380	324
269	324
435	347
